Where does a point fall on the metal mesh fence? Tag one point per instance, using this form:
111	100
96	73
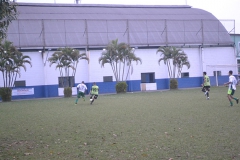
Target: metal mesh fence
98	33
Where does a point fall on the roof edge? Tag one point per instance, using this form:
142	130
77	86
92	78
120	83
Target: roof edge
101	5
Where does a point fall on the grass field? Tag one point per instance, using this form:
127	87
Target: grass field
166	125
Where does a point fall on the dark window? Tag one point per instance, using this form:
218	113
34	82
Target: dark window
148	77
184	74
238	48
218	73
107	78
66	81
238	62
20	83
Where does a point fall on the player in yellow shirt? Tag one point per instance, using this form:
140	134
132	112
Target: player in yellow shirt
94	92
206	85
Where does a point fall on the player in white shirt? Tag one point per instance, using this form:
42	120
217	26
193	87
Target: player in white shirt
82	88
231	88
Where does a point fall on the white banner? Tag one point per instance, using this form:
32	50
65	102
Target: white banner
22	91
60	91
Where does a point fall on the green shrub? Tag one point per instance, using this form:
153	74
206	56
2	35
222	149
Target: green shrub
6	94
173	83
121	87
67	92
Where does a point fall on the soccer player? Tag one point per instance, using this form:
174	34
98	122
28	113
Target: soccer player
94	92
231	88
206	85
82	88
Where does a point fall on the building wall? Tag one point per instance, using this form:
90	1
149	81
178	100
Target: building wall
219	59
96	72
149	64
236	40
44	79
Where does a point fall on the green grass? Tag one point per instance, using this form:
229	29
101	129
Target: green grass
178	124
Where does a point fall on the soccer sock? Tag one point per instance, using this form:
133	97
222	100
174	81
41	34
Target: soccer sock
207	94
231	103
76	100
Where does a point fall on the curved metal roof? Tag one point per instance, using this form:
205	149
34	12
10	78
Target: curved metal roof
81	25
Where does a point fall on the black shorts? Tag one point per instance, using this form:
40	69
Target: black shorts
95	96
206	88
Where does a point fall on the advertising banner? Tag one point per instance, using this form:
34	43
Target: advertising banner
22	91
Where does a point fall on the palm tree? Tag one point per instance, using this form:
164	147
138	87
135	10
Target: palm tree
120	57
76	56
175	59
131	57
166	57
56	59
19	62
110	55
178	56
66	59
183	61
11	62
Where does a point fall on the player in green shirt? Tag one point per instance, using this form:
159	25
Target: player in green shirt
94	92
206	85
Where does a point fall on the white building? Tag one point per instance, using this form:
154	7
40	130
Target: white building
89	28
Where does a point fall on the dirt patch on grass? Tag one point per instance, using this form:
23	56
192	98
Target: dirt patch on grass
14	149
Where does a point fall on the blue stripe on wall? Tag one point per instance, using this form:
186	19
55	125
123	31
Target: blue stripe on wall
190	82
162	84
45	91
221	80
134	86
104	87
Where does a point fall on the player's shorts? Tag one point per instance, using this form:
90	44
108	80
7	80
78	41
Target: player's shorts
80	94
206	88
231	91
95	96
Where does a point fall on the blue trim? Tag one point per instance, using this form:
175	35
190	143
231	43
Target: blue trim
45	91
162	84
104	87
189	82
221	80
134	86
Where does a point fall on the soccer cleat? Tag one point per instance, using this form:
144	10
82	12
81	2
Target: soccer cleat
205	93
207	98
75	103
237	100
91	101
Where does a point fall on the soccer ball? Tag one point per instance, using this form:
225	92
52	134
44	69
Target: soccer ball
90	100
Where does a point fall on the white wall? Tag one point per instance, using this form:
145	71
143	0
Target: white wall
149	64
33	75
93	72
194	58
222	58
52	74
82	70
96	72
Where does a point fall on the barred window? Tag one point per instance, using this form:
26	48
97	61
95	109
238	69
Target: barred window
148	77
